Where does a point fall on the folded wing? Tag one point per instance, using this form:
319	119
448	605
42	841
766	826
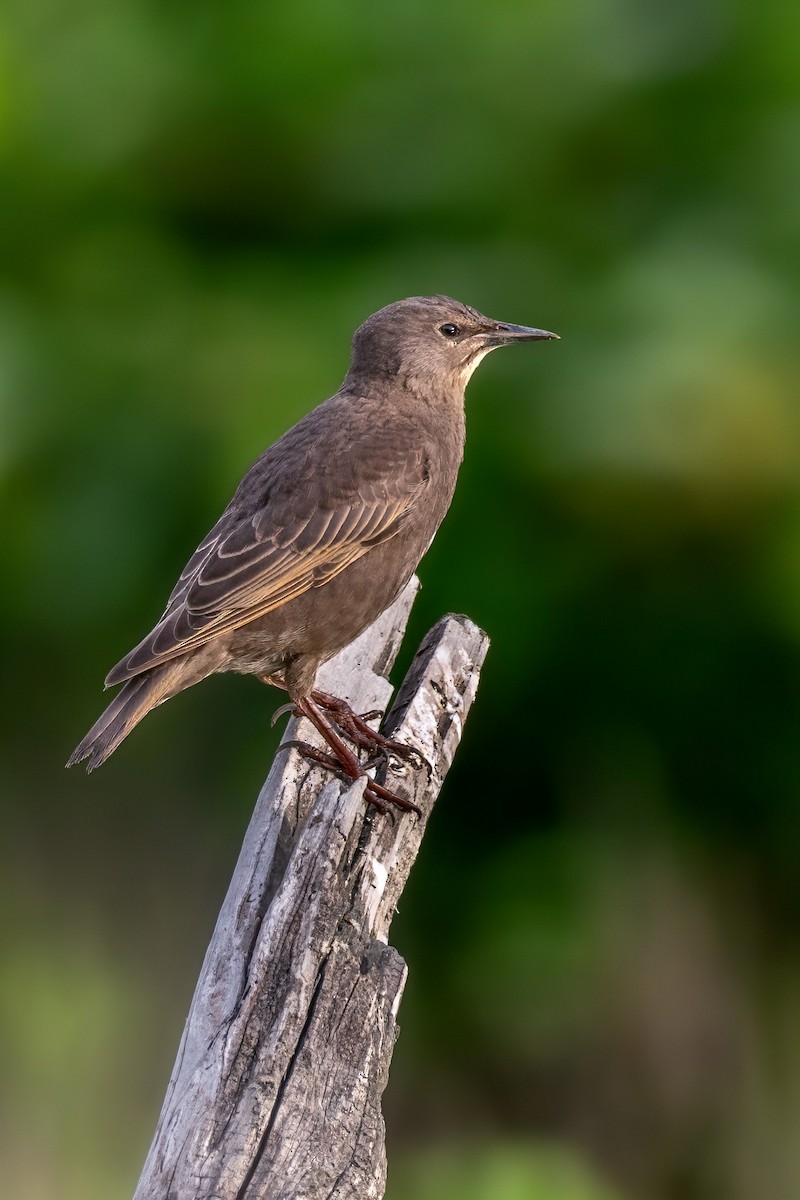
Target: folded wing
253	562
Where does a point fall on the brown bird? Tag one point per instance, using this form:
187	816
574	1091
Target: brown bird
322	533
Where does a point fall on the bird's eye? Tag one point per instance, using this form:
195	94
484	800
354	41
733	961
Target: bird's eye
449	330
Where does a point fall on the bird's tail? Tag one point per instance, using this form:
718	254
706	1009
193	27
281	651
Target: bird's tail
132	702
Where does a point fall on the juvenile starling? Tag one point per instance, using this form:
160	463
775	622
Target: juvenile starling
322	533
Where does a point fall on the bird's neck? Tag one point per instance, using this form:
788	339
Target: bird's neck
434	408
421	388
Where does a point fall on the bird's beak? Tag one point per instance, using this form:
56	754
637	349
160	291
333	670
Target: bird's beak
503	335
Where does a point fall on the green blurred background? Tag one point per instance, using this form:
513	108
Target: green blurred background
198	204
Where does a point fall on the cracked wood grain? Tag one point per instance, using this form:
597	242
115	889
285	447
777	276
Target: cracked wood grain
276	1089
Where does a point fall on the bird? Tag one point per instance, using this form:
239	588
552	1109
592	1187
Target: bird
321	535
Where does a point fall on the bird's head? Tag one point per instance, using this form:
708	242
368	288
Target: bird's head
431	340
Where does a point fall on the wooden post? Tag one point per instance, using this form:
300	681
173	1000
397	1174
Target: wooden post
275	1093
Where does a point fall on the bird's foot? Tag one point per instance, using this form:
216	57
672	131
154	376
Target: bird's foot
374	793
291	708
355	727
341	759
318	707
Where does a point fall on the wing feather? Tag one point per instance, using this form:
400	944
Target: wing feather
251	563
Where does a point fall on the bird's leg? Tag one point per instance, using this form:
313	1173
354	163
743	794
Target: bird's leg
333	704
355	727
347	761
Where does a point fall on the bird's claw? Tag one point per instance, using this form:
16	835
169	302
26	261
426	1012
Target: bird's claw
314	753
281	711
354	726
374	793
374	714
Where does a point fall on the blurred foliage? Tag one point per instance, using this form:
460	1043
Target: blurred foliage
503	1172
198	204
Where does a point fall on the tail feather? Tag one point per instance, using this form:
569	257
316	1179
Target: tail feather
131	703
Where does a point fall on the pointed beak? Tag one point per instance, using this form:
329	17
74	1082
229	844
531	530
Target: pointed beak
504	335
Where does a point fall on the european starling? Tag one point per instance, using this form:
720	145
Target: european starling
322	533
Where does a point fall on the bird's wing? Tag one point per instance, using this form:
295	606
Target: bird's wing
252	563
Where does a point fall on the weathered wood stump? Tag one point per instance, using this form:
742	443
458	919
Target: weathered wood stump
275	1093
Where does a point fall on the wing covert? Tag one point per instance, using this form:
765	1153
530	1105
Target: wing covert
252	562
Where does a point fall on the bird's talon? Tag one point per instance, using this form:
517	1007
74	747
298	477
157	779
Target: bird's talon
407	755
295	744
421	761
377	802
281	711
320	757
375	760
